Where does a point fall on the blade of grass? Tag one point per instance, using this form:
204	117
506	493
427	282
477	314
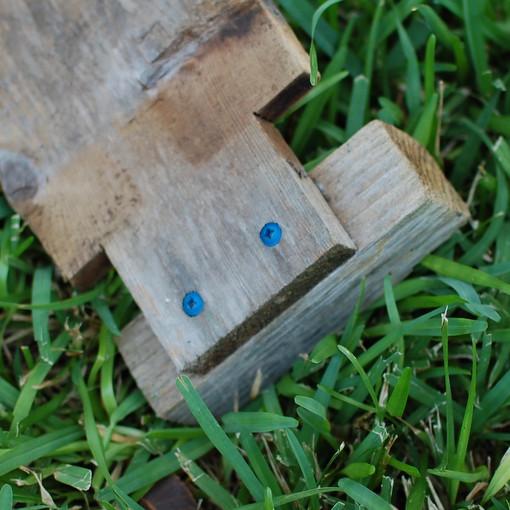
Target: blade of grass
91	432
430	64
314	68
464	273
364	377
450	429
41	293
9	395
268	500
499	479
315	107
358	470
492	402
362	495
62	305
372	41
476	253
373	442
404	467
394	316
398	398
501	151
301	11
107	374
218	437
467	421
424	131
402	10
37	375
27	451
291	498
357	105
75	476
430	327
413	84
256	422
304	465
259	464
323	87
461	476
101	308
6	500
468	155
446	37
473	14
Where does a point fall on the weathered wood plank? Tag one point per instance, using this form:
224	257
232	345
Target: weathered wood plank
71	71
181	176
397	206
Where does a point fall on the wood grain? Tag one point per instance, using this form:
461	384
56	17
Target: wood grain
213	175
72	71
175	178
397	206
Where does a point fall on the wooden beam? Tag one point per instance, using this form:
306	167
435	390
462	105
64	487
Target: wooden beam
175	178
397	206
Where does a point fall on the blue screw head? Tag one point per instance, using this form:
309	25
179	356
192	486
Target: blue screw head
271	234
192	304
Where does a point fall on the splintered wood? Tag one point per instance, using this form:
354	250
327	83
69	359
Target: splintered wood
142	135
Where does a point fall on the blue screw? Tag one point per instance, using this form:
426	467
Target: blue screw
192	304
271	234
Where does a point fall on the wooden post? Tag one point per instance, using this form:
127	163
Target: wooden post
141	134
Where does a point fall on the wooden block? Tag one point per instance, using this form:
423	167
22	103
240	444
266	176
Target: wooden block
397	206
150	150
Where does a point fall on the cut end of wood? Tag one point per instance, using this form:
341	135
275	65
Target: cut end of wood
427	169
406	176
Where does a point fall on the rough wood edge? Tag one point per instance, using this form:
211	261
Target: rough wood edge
278	303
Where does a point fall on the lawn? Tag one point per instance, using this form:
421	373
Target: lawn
407	406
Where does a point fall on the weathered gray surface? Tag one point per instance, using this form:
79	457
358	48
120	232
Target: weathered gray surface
149	149
396	205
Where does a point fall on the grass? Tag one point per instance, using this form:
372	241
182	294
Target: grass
408	407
